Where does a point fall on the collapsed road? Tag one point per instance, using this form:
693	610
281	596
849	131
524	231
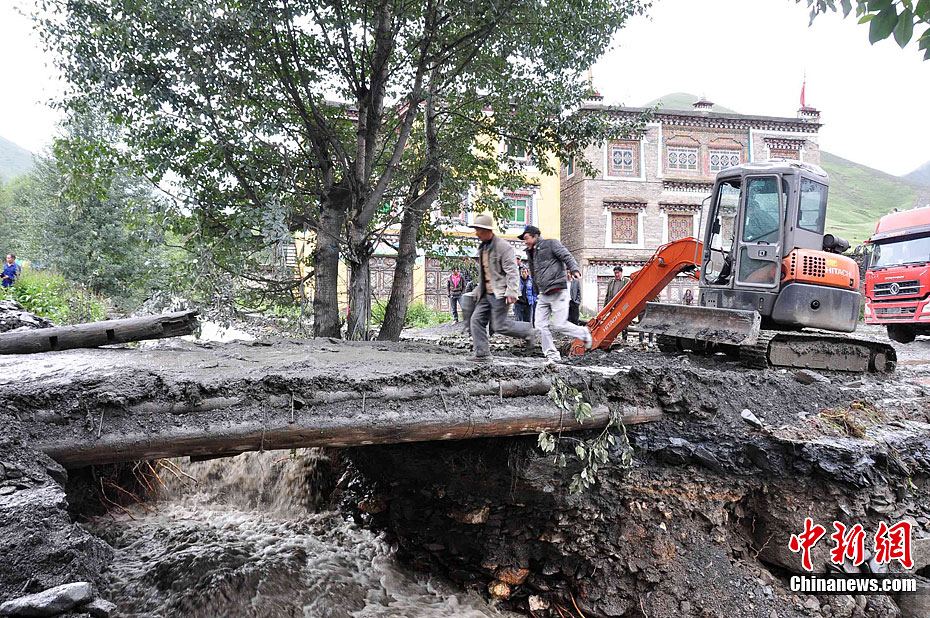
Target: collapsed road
698	525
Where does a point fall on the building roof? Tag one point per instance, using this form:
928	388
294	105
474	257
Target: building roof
684	102
716	116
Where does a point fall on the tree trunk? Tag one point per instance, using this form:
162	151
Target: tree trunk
395	314
326	272
359	295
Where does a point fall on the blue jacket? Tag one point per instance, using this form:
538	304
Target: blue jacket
10	271
527	291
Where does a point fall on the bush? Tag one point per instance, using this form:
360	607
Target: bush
51	296
419	315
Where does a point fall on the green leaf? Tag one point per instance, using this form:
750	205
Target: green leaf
883	25
866	18
878	5
922	10
924	41
580	451
905	28
847	7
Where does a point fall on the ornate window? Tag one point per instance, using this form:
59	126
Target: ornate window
722	159
623	158
570	167
624	228
682	159
520	208
680	226
783	153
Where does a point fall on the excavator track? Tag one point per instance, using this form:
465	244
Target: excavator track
818	350
798	350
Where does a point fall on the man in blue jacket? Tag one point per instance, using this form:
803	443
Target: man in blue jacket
525	306
10	271
549	259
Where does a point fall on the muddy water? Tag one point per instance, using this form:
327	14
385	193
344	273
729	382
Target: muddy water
241	541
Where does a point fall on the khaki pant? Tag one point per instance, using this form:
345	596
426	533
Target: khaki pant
555	306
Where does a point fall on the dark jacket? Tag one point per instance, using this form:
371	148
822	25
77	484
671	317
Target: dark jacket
453	290
574	292
549	259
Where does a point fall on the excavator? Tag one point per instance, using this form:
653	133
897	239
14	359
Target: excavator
773	288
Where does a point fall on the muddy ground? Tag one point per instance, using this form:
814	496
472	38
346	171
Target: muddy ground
698	526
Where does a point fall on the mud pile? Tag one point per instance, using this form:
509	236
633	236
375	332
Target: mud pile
700	525
13	316
40	545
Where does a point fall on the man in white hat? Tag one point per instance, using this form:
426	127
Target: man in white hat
498	288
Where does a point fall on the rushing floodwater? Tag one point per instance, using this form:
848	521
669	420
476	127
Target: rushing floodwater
241	542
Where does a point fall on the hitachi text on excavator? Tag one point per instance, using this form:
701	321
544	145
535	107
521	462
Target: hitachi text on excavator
774	289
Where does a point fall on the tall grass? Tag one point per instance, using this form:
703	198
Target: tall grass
51	296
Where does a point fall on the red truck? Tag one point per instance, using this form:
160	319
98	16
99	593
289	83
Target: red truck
897	282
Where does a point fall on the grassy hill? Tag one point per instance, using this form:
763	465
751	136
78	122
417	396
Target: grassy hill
920	176
14	160
682	101
860	195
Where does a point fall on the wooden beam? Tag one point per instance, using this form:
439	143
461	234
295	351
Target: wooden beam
96	334
375	426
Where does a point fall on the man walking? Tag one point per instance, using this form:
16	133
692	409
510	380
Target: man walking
574	299
455	287
526	304
498	287
616	284
549	259
10	271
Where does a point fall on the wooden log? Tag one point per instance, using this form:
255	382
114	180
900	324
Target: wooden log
96	334
377	426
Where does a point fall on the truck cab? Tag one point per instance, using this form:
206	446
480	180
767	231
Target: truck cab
897	280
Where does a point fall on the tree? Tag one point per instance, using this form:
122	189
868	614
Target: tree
81	214
885	18
305	108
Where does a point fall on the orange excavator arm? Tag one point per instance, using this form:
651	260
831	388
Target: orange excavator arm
645	284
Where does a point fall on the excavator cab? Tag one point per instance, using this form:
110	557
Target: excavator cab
765	250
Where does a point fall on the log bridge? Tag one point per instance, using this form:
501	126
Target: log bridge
108	405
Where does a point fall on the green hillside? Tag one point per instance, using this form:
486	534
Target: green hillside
682	101
920	176
14	160
860	195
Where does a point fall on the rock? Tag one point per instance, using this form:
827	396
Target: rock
812	604
473	517
49	602
806	376
537	603
499	590
751	418
512	575
100	608
916	605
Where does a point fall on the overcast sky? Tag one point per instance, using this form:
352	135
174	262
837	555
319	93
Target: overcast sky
749	55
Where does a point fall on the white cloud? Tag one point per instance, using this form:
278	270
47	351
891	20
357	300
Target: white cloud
29	81
749	55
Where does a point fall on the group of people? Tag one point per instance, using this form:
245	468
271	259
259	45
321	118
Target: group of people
540	291
11	270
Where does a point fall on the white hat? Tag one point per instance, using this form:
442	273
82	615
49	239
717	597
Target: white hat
484	222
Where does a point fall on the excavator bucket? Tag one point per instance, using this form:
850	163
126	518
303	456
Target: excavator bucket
720	326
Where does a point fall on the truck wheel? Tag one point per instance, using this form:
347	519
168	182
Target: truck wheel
902	333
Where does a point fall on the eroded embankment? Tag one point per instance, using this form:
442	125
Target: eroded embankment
700	525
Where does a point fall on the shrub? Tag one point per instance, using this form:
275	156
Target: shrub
51	296
419	315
